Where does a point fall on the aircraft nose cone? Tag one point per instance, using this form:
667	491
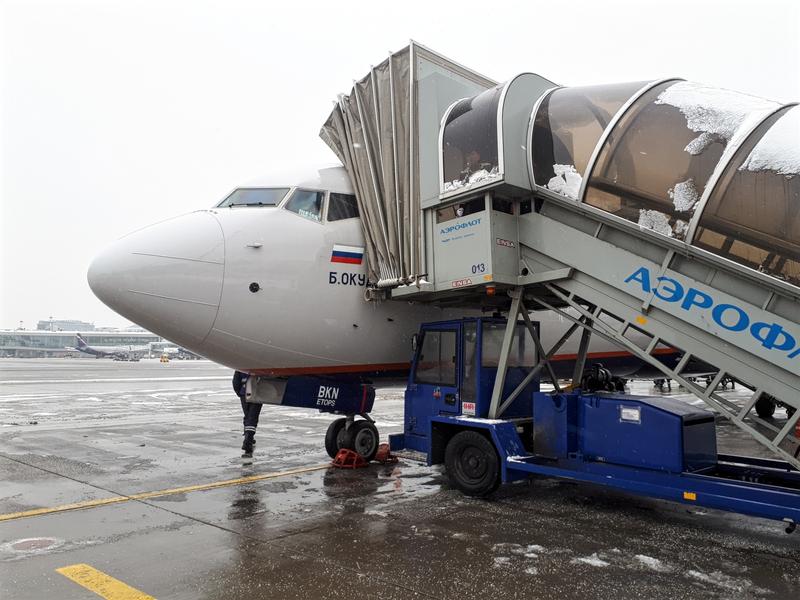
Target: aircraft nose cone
166	277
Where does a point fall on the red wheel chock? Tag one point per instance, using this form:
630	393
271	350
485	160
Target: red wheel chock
348	459
385	456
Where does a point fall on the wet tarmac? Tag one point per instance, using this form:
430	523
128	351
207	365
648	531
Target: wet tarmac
86	431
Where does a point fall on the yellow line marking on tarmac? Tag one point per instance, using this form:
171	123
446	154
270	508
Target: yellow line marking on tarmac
146	495
102	584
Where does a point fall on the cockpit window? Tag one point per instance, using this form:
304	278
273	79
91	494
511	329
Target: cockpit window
306	203
342	206
254	197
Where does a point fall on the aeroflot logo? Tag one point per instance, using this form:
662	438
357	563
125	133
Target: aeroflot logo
728	316
327	395
456	227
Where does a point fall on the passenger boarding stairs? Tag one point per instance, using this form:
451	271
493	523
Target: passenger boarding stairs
622	207
626	288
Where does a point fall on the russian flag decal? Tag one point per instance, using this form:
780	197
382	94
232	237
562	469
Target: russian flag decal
352	255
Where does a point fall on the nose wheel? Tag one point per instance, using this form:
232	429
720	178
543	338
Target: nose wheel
334	437
360	436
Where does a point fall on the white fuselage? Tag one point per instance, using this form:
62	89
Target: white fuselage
309	314
191	279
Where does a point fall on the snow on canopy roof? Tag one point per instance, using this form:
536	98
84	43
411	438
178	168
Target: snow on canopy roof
779	149
714	112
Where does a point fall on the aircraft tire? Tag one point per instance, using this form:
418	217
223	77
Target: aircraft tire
472	464
334	437
765	407
363	438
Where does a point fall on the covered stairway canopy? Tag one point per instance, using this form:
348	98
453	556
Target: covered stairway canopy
708	168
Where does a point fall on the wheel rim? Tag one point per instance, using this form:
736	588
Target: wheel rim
340	438
365	442
473	464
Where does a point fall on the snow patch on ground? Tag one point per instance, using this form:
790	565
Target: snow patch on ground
779	149
519	549
653	563
726	582
567	181
517	556
594	560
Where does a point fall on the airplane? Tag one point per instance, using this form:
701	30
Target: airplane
179	353
115	352
271	281
184	354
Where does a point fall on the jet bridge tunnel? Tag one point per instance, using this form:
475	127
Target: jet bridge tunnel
668	208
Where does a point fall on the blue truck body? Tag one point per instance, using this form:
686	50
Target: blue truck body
652	446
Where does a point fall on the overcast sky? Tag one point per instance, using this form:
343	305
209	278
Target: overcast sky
118	114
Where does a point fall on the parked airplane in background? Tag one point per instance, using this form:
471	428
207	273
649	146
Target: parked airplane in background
116	352
271	281
178	353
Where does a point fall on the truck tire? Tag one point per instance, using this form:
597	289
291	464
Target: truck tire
363	438
334	437
472	464
765	407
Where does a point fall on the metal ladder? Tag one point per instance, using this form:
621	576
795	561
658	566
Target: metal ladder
587	289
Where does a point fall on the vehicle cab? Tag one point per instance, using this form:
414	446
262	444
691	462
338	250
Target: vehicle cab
453	373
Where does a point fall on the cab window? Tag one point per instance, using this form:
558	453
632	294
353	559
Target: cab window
254	197
523	353
342	206
306	203
436	363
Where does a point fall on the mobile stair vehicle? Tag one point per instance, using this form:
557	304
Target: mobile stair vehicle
663	216
653	446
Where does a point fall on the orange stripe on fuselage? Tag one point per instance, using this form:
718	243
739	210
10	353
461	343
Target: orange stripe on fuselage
611	354
372	368
333	370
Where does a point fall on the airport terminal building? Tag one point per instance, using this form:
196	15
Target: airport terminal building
44	344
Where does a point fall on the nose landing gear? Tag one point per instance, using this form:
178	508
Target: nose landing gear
359	436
